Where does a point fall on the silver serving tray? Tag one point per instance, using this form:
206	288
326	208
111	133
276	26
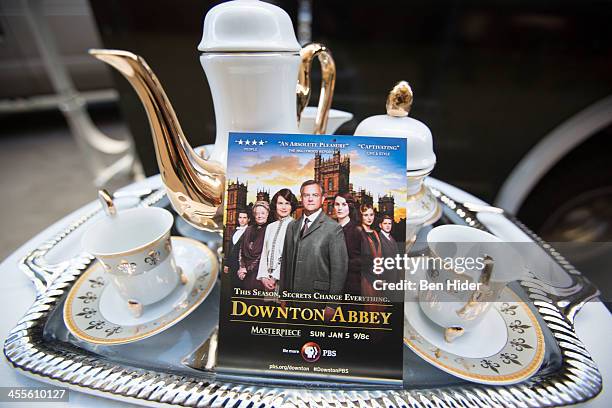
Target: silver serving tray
151	372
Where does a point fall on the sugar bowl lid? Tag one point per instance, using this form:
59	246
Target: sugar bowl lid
396	123
247	25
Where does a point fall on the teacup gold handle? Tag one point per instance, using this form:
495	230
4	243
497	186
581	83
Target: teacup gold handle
106	199
476	301
487	272
328	70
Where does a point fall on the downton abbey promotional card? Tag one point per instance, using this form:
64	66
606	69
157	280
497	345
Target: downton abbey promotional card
305	218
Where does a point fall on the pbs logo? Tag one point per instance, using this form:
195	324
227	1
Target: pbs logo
311	352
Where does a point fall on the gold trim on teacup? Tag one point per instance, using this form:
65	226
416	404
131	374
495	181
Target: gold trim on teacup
147	262
141	248
74	329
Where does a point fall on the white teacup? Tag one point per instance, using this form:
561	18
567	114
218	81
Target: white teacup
135	250
495	264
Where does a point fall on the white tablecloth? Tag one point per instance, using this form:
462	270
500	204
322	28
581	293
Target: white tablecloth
593	324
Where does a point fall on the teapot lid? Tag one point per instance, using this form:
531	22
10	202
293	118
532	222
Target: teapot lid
396	123
247	25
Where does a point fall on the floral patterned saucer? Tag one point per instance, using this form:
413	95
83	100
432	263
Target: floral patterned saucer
505	348
94	311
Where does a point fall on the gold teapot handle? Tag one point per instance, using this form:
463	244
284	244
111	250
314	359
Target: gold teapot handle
328	71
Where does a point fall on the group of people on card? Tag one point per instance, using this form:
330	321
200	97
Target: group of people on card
313	253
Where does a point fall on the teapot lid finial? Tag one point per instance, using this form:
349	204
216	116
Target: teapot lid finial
399	100
397	123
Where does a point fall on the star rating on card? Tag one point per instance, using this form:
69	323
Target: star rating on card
253	142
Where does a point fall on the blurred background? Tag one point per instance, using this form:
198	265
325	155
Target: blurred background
518	95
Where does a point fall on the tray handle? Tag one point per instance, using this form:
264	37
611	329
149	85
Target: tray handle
572	304
569	303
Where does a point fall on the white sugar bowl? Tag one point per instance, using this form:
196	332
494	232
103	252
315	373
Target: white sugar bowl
422	208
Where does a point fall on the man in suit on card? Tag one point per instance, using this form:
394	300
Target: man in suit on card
389	247
314	254
231	261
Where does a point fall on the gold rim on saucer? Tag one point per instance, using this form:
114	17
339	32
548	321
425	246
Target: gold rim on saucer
519	359
84	319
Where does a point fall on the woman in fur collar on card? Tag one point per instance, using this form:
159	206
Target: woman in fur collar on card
283	204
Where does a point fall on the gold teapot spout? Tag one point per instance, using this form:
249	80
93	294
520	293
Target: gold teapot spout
195	186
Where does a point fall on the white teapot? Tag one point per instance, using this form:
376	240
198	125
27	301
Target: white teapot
253	62
255	67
